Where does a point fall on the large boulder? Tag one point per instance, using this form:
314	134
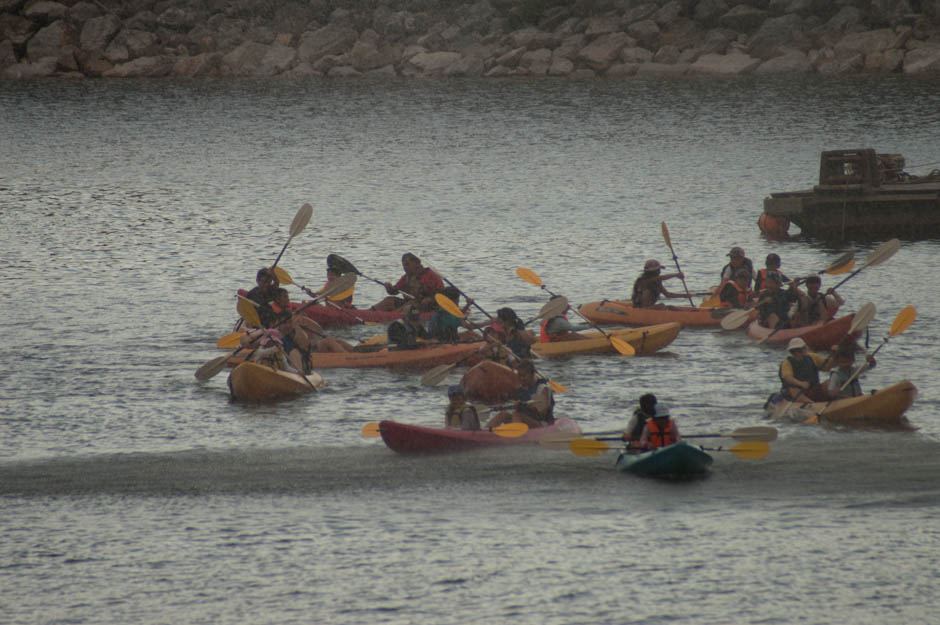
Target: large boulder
330	40
45	12
708	12
778	33
92	63
432	63
922	61
734	63
537	61
603	51
793	62
836	66
743	18
98	32
205	64
646	32
81	12
50	40
868	42
146	66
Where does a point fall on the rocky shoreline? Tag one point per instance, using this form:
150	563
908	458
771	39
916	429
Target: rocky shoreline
579	39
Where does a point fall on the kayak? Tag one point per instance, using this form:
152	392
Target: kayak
623	313
419	358
681	459
883	408
489	381
337	316
817	335
645	340
415	439
250	381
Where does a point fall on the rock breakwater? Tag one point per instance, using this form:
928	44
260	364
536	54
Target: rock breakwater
496	38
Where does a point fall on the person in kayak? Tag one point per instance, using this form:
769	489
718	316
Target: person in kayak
813	306
648	287
772	263
659	431
844	367
737	293
332	274
459	414
736	260
444	326
264	292
637	422
418	281
799	373
773	305
534	403
405	332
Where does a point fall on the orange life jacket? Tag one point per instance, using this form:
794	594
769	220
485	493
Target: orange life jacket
740	299
660	437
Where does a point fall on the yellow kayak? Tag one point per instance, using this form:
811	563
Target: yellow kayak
645	340
250	381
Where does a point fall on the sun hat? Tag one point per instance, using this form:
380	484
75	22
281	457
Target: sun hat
652	265
662	410
736	251
795	344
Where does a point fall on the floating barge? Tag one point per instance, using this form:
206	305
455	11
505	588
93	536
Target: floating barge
861	194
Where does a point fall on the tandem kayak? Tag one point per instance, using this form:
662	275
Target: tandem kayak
817	335
883	409
645	340
419	358
416	439
681	459
612	312
250	381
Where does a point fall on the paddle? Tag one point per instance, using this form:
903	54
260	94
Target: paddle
434	376
478	307
296	227
880	254
676	260
560	440
342	265
619	344
246	308
507	430
751	450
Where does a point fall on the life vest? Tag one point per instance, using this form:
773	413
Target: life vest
660	437
547	337
804	370
812	307
741	294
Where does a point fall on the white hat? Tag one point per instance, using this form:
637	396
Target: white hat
796	343
662	410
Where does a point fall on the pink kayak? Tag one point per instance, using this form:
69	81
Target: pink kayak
334	315
817	336
415	439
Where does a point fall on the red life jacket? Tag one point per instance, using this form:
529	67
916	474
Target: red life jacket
660	437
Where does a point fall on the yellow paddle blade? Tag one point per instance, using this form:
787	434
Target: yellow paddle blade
529	276
588	447
230	341
558	387
903	321
246	308
511	430
448	305
371	430
752	450
282	276
622	346
843	268
344	295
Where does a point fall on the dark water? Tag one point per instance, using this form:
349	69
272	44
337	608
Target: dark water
131	211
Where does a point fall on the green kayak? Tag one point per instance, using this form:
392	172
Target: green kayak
678	460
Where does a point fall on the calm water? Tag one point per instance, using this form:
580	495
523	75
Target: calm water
131	211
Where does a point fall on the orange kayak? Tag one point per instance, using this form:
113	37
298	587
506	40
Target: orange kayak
250	381
612	312
645	340
420	358
883	408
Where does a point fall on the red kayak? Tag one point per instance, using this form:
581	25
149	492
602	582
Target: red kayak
334	316
817	336
415	439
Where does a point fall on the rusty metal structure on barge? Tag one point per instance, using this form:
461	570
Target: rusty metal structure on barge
861	194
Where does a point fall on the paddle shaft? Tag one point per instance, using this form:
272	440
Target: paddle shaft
675	259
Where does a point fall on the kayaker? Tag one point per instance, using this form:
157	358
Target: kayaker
736	292
773	306
813	306
799	373
648	287
637	422
459	414
517	338
444	326
405	332
534	403
659	431
270	351
420	282
736	260
264	292
332	274
844	367
771	263
558	329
